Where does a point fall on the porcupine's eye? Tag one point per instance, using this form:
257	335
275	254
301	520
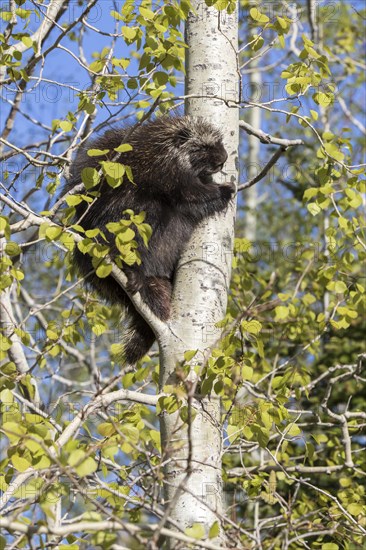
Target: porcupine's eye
218	167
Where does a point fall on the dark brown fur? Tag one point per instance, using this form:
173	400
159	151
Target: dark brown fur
172	162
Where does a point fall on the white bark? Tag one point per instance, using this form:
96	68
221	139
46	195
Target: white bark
46	24
193	481
54	8
9	324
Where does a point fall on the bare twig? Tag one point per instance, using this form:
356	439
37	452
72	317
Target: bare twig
267	139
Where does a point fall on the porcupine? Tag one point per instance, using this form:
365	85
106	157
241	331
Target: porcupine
172	161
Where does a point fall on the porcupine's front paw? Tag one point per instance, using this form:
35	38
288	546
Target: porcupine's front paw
227	191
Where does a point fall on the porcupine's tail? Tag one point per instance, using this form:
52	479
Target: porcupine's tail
139	337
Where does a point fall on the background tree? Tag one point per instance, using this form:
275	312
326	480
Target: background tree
82	463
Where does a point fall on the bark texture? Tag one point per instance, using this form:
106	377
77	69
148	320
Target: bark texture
193	481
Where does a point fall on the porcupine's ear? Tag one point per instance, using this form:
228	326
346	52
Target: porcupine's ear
182	135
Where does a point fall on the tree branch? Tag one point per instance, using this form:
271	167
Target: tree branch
267	139
53	10
92	526
9	324
31	218
100	401
263	172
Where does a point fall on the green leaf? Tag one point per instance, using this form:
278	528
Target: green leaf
155	438
355	199
320	438
145	232
355	509
197	531
98	328
83	466
106	429
282	312
123	62
258	43
96	66
115	227
52	334
281	40
123	148
188	355
6	15
258	16
333	151
90	177
4	223
129	173
233	432
340	287
116	15
129	33
314	208
293	430
261	434
12	249
146	13
103	270
17	274
66	125
20	463
169	404
138	218
5	343
91	233
253	327
125	236
310	193
161	78
52	233
97	152
6	397
308	299
214	530
22	12
283	24
98	251
246	372
323	99
74	200
89	466
13	430
113	169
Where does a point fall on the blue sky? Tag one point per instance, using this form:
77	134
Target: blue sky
53	89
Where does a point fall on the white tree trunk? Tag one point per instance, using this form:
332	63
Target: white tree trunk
193	482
